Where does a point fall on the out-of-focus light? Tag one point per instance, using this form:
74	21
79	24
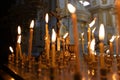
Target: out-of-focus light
85	3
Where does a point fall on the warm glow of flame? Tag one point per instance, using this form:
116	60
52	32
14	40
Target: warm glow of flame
11	49
32	24
46	18
93	30
71	8
92	45
53	35
113	38
19	30
92	23
19	39
88	72
114	76
108	51
101	32
93	72
66	34
82	34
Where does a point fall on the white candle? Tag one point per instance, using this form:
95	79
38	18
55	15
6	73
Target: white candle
12	56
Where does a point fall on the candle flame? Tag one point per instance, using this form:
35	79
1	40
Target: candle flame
19	39
93	30
114	76
92	23
71	8
82	34
46	18
112	39
66	34
53	35
11	49
32	24
92	45
101	32
19	30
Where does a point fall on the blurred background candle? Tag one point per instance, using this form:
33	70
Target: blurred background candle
30	39
18	43
47	37
12	55
82	40
89	34
93	33
111	45
53	47
72	10
117	44
101	44
92	49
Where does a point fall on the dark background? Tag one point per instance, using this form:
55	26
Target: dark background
5	30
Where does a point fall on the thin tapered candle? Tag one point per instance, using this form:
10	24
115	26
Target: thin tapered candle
72	10
47	37
101	44
53	47
111	44
30	39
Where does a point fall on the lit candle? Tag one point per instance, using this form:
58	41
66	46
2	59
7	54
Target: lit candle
93	32
92	49
72	10
82	40
18	47
53	47
47	37
89	34
101	44
117	44
30	39
111	44
12	56
64	43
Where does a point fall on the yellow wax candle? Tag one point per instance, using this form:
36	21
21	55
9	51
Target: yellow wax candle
92	49
53	47
101	44
82	40
18	43
47	37
30	39
117	44
111	44
93	32
12	56
72	10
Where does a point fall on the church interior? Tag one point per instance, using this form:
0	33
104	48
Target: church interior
60	40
